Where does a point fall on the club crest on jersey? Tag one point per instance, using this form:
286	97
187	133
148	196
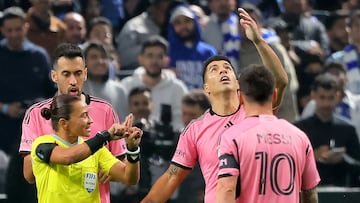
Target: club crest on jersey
90	181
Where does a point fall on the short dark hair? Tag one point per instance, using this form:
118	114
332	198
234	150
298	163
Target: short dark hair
96	46
197	97
155	41
334	65
12	13
325	81
138	90
257	83
214	58
100	20
60	107
67	50
333	17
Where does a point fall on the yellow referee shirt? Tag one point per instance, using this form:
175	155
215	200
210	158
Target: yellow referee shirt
78	182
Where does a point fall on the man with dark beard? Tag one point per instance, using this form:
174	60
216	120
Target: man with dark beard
187	51
166	90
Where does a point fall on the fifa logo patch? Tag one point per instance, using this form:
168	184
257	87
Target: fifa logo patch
90	181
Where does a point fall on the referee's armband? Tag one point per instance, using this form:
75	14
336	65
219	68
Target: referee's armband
44	150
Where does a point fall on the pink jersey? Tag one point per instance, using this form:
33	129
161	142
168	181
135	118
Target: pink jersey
199	142
34	125
273	159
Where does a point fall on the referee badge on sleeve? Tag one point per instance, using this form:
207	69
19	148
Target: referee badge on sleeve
90	181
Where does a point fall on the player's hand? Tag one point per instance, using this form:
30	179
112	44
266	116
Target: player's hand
251	29
103	178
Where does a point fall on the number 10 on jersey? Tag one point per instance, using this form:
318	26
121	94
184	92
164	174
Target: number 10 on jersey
279	160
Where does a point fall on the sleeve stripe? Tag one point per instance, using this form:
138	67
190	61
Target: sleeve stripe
224	175
181	166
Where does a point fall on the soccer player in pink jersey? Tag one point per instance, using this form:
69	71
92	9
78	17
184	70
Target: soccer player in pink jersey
199	139
263	158
69	73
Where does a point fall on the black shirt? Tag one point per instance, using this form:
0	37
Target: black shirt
320	133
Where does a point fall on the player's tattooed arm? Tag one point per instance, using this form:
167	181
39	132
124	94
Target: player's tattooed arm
166	185
309	196
173	170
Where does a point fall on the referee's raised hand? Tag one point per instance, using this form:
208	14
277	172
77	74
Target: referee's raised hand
134	138
119	131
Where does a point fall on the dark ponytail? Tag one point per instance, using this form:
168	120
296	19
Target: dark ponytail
61	107
46	113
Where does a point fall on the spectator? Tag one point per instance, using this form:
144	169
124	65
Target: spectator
136	31
114	11
350	58
26	79
193	105
19	55
97	61
335	25
45	29
75	32
187	51
158	143
342	109
334	142
308	33
131	9
310	66
222	30
100	31
61	7
90	9
166	89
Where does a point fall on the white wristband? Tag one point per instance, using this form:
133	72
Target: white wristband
136	152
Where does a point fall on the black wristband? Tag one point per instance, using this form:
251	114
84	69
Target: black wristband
133	158
98	141
105	135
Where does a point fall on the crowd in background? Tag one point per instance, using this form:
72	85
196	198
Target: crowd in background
146	57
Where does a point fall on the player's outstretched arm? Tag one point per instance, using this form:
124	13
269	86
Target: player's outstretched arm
309	196
267	54
165	186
